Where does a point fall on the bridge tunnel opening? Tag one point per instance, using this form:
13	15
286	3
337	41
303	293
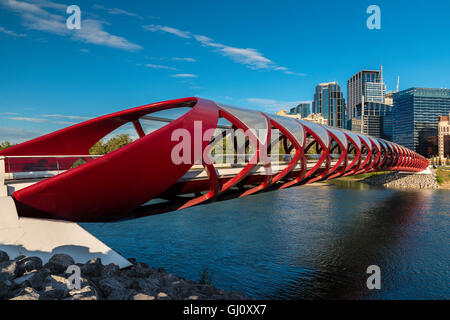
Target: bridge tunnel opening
20	171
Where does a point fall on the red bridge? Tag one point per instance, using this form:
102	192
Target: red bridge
54	176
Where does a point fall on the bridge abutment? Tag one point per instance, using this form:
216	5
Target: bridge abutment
44	238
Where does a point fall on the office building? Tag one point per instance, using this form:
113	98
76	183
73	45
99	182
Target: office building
432	150
329	102
367	110
416	115
444	136
303	108
313	117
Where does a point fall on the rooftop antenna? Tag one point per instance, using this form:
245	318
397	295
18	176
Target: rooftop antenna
398	82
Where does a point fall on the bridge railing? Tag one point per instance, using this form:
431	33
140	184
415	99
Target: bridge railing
35	167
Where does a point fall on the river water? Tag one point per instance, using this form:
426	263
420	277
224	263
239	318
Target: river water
308	242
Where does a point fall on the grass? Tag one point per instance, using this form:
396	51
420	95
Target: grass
368	175
443	175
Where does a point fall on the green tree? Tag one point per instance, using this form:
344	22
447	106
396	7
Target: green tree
4	145
98	148
119	141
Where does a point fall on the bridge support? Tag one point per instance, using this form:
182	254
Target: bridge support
44	238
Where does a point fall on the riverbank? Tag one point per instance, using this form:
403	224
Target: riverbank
399	180
26	278
438	179
443	177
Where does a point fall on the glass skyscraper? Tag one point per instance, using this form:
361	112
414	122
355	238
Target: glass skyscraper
416	116
375	119
367	86
329	101
366	110
303	108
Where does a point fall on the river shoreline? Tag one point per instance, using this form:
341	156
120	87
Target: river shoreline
27	278
399	180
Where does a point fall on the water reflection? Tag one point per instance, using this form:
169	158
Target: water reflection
338	272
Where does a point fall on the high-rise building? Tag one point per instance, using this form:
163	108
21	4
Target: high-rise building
389	98
329	102
416	114
312	117
365	86
303	108
432	150
367	112
444	136
374	119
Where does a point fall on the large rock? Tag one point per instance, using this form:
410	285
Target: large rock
138	270
3	256
5	289
163	296
110	271
85	293
148	286
37	280
59	263
8	270
25	277
181	289
55	288
28	264
142	296
26	294
92	268
110	287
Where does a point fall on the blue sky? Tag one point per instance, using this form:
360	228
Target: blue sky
263	55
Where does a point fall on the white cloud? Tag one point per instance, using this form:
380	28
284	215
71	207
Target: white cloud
174	31
117	11
17	135
250	57
68	123
61	116
11	33
92	32
27	119
184	59
157	66
34	17
24	7
184	75
50	4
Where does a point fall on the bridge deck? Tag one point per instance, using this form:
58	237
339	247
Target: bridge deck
19	178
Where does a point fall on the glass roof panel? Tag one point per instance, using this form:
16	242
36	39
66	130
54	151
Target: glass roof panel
254	120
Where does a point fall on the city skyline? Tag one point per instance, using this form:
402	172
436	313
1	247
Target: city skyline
134	54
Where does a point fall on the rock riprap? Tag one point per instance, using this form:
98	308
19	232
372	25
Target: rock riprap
27	278
400	180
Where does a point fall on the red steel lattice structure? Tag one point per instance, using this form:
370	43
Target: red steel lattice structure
125	183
